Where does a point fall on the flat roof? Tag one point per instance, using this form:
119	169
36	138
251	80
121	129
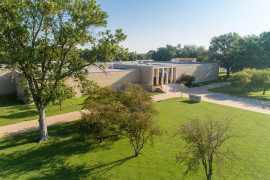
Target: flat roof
161	63
109	69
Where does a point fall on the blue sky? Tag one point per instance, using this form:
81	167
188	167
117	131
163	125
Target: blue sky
150	24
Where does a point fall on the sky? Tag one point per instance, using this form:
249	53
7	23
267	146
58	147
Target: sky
150	24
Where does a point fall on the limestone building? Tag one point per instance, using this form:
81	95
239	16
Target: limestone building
152	75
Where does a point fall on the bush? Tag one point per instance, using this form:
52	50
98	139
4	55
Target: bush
248	79
241	79
185	79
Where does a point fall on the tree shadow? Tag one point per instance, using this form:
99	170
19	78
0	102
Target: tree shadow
188	102
101	169
20	115
53	153
10	100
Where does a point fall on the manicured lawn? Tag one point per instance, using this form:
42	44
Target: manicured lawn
154	93
66	156
257	94
13	111
221	78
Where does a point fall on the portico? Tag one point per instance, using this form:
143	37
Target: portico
164	75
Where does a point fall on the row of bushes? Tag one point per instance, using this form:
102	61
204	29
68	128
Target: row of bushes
249	79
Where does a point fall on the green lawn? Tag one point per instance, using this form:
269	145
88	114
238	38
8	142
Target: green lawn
13	111
221	78
66	156
256	94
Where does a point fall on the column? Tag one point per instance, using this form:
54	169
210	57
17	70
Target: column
162	76
171	77
167	75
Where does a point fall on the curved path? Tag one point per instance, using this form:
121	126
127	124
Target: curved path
228	100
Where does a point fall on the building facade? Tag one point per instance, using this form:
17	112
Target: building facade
150	74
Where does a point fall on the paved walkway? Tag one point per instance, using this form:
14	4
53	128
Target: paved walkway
228	100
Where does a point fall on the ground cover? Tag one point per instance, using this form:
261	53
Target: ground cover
255	94
14	111
67	156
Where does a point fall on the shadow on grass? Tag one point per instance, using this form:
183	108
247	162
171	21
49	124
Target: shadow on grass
20	115
9	100
49	158
188	102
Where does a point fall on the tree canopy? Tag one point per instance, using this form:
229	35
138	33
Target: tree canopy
39	38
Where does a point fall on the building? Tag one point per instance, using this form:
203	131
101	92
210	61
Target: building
184	60
152	75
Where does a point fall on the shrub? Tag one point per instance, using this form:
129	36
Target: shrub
185	79
241	79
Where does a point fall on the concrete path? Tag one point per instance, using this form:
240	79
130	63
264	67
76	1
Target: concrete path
228	100
26	126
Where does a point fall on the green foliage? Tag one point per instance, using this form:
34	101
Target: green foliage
249	79
102	114
241	79
107	48
138	125
187	51
185	79
40	39
204	141
63	92
222	49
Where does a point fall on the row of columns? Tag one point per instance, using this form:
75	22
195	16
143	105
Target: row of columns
169	77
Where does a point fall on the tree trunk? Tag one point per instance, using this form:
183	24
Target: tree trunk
228	72
264	89
42	125
136	153
209	176
101	139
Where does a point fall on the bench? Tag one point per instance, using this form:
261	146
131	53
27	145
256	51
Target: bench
194	98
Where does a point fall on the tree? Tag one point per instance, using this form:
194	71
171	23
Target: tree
260	79
63	92
249	54
39	39
222	48
164	53
204	140
102	114
138	125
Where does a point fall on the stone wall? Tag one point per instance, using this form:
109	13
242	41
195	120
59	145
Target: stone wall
7	82
184	60
201	72
111	78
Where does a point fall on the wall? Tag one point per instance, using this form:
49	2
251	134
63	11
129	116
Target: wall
201	72
184	60
111	78
7	82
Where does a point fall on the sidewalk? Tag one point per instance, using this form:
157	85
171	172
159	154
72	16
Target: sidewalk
223	99
228	100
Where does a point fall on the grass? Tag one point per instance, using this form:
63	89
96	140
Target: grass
66	156
154	93
256	94
221	78
14	111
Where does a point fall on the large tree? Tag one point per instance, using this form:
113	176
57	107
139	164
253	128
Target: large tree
39	38
222	49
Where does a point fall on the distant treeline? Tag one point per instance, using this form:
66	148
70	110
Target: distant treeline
231	50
